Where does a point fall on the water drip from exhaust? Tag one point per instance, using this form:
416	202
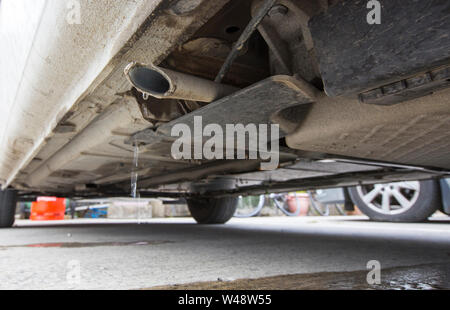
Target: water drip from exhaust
134	171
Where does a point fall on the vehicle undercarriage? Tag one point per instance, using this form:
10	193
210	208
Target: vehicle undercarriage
356	103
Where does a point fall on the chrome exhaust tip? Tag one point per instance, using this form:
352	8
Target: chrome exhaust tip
148	80
163	83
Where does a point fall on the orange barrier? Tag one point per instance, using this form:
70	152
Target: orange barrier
48	209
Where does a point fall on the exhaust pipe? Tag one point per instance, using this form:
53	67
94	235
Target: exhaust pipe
163	83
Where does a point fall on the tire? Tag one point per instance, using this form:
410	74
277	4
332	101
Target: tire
212	210
8	200
422	200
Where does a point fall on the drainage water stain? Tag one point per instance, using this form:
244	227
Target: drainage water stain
86	244
421	277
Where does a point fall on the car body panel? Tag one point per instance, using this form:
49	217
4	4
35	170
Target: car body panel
60	63
81	75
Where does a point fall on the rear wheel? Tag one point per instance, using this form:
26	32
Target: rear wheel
212	210
398	202
8	200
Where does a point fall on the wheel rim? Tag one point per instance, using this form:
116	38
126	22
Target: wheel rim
390	198
249	206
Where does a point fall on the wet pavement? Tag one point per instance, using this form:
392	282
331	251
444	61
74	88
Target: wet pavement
83	245
257	253
422	277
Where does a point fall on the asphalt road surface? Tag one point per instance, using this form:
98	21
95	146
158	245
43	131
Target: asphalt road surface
268	253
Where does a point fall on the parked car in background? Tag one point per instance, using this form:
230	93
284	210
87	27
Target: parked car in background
411	201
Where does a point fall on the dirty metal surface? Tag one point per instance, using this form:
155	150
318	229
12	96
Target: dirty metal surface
306	169
204	53
412	38
413	133
411	88
257	104
253	105
151	40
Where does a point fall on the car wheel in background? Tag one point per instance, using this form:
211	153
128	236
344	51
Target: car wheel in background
412	201
8	200
249	206
212	210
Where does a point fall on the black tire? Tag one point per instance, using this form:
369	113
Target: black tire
428	201
8	200
212	210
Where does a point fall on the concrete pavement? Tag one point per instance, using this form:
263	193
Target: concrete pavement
114	254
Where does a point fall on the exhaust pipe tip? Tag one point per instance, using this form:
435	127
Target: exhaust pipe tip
164	83
148	80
